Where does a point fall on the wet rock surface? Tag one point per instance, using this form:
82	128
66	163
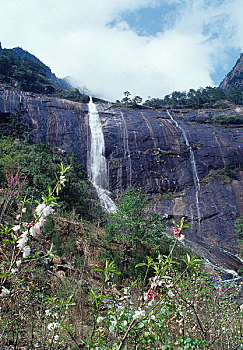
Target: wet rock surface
144	148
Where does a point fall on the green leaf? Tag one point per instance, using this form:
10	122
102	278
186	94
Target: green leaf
140	264
2	275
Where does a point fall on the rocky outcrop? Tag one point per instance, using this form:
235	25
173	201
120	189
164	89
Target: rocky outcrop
234	79
60	123
147	149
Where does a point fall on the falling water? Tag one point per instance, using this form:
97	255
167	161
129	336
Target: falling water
97	169
193	164
126	149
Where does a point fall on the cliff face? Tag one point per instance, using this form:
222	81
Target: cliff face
234	79
58	122
147	149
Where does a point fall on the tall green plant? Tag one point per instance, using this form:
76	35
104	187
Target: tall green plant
133	232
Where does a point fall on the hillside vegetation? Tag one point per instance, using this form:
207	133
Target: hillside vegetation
20	69
203	98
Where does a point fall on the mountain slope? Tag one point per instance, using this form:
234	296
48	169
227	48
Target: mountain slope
234	79
25	58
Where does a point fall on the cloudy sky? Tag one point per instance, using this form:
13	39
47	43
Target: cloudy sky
148	47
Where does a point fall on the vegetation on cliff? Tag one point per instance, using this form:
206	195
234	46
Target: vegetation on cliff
20	69
209	97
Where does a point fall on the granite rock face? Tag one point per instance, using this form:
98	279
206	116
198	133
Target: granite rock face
145	148
234	79
58	122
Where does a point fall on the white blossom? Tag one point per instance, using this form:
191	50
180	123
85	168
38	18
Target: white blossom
52	326
41	221
16	228
35	230
47	211
39	209
47	312
23	210
159	282
18	262
4	292
139	314
171	294
181	238
56	338
150	303
26	252
42	211
62	180
13	271
22	240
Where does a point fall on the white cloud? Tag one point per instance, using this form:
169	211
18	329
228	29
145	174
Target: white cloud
76	38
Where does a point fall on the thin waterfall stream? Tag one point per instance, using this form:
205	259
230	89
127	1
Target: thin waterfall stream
127	153
194	168
97	168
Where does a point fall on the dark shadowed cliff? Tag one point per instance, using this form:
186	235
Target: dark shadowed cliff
146	148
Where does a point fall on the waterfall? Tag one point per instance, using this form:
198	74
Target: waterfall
126	150
97	169
193	165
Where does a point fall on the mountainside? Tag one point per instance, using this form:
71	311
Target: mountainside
234	79
8	59
186	165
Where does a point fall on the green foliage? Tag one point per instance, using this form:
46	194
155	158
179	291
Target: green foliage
209	97
26	72
240	270
13	124
40	164
239	232
73	95
30	74
225	119
239	227
132	233
233	164
129	103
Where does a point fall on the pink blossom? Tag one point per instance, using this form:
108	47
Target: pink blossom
106	291
30	224
152	293
176	232
149	295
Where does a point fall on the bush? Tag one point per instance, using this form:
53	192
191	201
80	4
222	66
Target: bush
40	163
132	233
